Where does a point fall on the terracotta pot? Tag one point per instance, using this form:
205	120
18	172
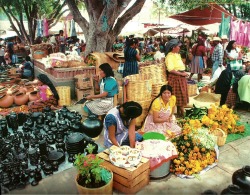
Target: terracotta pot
21	99
106	189
6	100
34	95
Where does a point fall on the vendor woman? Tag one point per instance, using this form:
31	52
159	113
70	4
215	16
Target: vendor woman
119	125
101	103
177	75
161	117
47	93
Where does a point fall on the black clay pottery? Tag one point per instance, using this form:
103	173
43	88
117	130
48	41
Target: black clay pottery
13	121
232	189
92	126
22	117
47	109
56	156
29	122
76	126
241	178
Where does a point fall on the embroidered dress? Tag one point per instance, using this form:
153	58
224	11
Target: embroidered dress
165	111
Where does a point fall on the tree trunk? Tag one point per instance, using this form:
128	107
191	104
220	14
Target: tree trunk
105	22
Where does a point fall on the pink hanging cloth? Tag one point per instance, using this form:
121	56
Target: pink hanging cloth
233	29
45	28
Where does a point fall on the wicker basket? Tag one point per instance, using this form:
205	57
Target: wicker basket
221	136
64	95
145	106
157	87
155	72
139	87
192	89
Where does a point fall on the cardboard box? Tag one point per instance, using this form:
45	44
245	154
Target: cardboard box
128	180
81	93
84	81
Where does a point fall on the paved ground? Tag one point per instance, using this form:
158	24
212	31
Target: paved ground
232	156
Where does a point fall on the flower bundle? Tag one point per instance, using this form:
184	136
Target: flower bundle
223	118
195	149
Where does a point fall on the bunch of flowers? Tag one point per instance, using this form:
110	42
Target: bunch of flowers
195	149
223	118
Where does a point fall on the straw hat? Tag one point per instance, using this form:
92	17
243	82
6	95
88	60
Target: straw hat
224	37
216	39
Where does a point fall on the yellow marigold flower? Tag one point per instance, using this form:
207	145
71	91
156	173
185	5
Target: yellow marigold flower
187	144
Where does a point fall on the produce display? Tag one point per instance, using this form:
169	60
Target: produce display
197	145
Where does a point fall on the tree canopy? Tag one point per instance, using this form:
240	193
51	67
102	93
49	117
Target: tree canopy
20	11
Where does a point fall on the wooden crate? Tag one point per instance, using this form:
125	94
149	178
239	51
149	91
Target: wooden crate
129	180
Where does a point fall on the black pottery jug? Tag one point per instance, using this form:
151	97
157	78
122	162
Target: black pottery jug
12	120
232	189
241	178
92	126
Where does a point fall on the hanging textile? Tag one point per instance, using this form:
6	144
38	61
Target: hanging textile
72	28
224	28
234	28
45	28
39	30
68	28
65	29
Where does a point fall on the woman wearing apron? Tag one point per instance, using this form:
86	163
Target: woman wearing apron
101	103
161	113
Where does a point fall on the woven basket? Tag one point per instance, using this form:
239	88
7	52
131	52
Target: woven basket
157	87
221	136
145	106
139	87
155	72
192	89
64	95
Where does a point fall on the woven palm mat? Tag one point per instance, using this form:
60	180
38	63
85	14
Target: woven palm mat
233	137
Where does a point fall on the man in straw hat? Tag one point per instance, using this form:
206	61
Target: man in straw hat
218	54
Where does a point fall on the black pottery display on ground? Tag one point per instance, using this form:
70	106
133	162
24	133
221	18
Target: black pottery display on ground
36	144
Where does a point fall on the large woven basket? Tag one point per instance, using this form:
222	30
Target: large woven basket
139	87
157	87
156	72
192	89
221	136
64	95
145	105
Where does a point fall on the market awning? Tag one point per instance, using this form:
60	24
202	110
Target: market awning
202	16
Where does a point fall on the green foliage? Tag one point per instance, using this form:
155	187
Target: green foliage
89	167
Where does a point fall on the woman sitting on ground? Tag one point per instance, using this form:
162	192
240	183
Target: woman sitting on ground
48	94
119	125
161	114
101	103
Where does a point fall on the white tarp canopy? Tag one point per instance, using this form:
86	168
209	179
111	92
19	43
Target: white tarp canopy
7	34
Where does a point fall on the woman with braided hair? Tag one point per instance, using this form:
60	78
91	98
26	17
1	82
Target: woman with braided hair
48	94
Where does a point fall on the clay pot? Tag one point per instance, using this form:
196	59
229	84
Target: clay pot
21	99
92	126
34	95
6	100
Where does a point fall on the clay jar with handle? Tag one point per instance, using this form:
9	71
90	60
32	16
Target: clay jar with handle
6	100
241	178
34	95
21	99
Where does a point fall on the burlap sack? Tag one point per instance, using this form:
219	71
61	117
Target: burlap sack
204	99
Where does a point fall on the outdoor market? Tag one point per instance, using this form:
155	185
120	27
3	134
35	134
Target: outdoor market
165	110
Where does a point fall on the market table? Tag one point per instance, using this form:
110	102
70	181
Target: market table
62	76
